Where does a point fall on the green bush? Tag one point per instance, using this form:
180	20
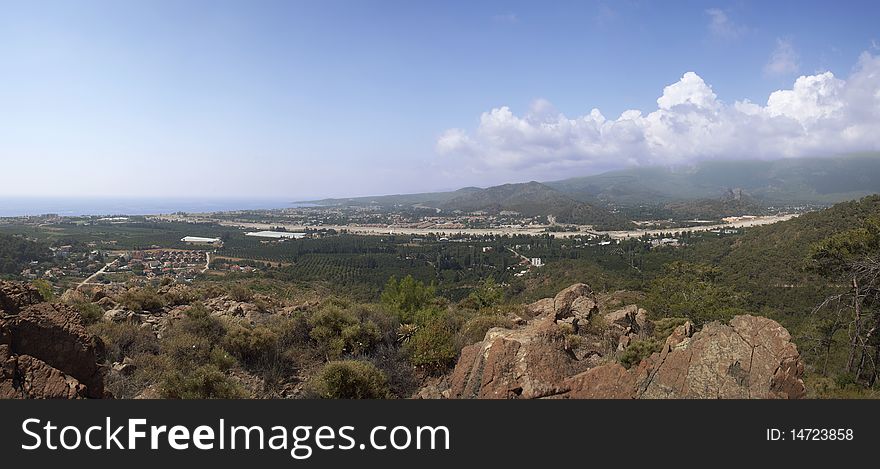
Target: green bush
407	296
695	292
124	339
254	347
45	289
89	313
203	382
180	295
432	346
487	294
240	292
198	321
187	349
338	332
350	379
142	299
638	350
474	330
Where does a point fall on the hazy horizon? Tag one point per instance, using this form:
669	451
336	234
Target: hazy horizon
308	100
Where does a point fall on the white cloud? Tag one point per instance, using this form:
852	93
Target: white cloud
783	61
722	27
819	115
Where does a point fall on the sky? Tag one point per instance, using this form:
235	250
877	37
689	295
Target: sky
306	99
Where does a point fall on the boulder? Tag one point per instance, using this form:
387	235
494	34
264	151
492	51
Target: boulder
54	334
107	303
752	357
46	353
575	305
543	307
26	377
526	363
15	296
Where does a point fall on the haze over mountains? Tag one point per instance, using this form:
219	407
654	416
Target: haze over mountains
742	184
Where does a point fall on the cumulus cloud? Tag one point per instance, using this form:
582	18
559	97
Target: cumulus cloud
722	27
783	60
819	115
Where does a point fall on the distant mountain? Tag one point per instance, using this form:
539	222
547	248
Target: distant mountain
710	189
427	198
786	181
534	199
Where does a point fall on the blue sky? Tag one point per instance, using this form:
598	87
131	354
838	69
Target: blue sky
319	98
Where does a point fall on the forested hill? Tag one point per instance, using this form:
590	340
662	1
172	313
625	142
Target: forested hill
535	199
784	181
777	253
16	252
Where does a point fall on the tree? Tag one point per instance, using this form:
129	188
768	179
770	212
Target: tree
693	291
407	296
853	257
487	294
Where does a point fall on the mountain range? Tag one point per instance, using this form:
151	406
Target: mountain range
718	188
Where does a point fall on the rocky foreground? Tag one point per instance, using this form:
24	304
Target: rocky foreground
573	346
563	353
45	352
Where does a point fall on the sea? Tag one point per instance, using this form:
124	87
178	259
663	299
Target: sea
35	206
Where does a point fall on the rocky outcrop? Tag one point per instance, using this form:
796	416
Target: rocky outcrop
14	296
525	363
752	357
575	305
45	352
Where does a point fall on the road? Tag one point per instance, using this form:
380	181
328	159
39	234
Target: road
88	280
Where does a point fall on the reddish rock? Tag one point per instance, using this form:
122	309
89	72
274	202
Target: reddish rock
46	353
610	381
753	357
543	307
14	296
526	363
25	377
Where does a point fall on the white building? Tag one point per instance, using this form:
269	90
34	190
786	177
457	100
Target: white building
276	234
537	262
200	240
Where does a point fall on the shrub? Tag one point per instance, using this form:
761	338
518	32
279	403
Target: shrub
664	327
198	321
432	346
488	293
239	292
638	350
253	346
89	313
45	289
222	359
142	299
407	296
187	349
203	382
124	339
396	367
339	332
180	295
350	379
475	329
